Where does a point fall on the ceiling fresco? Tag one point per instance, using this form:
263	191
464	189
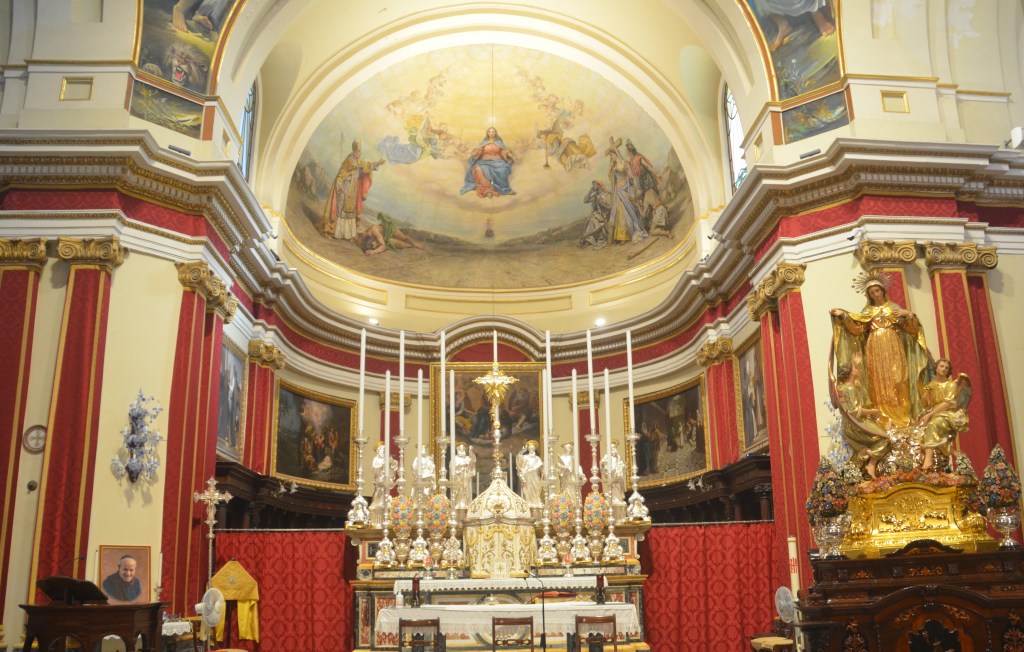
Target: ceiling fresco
489	167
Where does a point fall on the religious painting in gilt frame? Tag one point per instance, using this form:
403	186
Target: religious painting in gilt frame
753	416
520	413
312	438
123	573
230	415
673	439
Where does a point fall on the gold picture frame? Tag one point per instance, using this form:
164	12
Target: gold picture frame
752	415
232	391
113	583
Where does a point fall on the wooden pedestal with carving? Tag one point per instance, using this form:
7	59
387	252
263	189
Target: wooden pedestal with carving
921	598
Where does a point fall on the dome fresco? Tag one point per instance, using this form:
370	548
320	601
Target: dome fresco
489	167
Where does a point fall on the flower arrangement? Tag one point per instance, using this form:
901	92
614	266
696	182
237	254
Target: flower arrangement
999	486
829	495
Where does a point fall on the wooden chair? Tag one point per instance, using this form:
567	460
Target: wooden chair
597	629
511	633
420	635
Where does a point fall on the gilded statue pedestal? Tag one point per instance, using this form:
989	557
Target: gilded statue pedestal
886	521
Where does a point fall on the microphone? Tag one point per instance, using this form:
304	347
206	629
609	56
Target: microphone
69	563
543	620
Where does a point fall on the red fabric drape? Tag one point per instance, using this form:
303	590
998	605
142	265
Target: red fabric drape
710	587
305	600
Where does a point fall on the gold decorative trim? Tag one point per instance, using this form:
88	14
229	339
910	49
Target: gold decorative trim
266	355
713	352
197	277
107	253
885	253
786	277
406	402
959	255
583	398
30	254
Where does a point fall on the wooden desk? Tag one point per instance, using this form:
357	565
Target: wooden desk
90	623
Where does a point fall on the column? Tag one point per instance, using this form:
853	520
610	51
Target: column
21	264
792	425
264	360
891	257
724	408
967	337
69	461
190	430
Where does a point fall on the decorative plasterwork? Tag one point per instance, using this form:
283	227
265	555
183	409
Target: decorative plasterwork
583	397
885	253
29	254
198	277
406	402
105	253
959	255
784	278
266	355
715	351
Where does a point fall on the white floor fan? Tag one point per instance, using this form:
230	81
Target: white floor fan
211	610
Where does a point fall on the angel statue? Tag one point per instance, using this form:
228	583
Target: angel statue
463	472
570	476
862	425
613	475
892	343
945	398
424	476
383	481
529	465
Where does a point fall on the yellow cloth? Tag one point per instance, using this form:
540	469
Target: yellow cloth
248	622
237	584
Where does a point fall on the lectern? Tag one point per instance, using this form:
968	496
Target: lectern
79	610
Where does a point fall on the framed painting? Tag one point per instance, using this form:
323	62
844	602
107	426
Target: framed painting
124	573
312	438
673	440
230	416
754	418
520	413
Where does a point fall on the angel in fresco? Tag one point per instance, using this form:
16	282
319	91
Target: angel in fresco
945	398
893	346
490	165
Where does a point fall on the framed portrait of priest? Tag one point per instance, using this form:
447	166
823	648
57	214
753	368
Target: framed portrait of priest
124	573
672	443
230	415
312	438
754	417
520	413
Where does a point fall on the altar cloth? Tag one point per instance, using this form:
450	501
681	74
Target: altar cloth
471	619
555	583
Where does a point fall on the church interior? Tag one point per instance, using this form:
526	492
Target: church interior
328	322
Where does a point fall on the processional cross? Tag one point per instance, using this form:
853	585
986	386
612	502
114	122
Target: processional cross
212	498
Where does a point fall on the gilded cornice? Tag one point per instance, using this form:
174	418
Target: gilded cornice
198	277
959	255
885	253
583	398
713	352
784	278
106	253
266	355
29	254
407	401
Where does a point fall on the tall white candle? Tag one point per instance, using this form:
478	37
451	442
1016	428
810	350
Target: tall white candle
362	376
441	394
495	347
419	410
629	378
543	428
387	415
510	468
547	357
451	407
590	382
794	565
607	413
575	428
401	382
160	570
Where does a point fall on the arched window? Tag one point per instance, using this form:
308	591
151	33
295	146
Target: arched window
248	129
734	139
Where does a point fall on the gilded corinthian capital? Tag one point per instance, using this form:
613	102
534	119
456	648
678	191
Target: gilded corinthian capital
266	355
959	255
713	352
105	253
873	254
198	277
786	277
29	254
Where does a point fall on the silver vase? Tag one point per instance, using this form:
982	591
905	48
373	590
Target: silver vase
1006	521
829	534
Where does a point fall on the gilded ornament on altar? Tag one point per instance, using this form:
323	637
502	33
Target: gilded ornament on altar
402	515
561	513
435	514
499	533
595	511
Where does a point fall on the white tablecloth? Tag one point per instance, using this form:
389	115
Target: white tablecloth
176	628
558	617
556	583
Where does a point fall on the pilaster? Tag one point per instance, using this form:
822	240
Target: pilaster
716	356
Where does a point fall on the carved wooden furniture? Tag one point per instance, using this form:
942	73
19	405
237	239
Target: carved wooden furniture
419	635
508	632
597	629
89	623
922	597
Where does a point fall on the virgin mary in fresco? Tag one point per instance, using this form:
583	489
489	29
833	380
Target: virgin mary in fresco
490	165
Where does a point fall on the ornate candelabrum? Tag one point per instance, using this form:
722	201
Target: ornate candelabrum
578	547
636	511
359	514
547	555
593	503
402	542
385	557
418	553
